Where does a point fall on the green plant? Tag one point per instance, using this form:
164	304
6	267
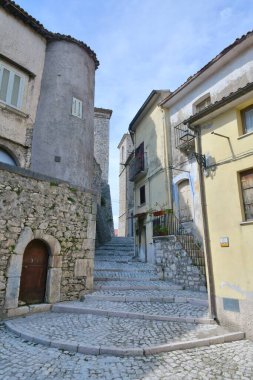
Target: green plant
160	231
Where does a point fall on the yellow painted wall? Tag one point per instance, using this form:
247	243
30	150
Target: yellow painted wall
233	265
150	130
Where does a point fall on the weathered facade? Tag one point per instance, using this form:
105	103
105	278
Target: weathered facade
50	189
34	207
126	192
210	117
105	225
148	170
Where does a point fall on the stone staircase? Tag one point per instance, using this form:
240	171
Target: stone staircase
129	313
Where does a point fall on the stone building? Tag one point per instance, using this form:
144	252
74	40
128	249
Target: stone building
105	225
126	193
48	176
211	124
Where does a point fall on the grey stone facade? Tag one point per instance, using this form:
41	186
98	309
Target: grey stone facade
105	225
176	265
101	139
63	144
63	216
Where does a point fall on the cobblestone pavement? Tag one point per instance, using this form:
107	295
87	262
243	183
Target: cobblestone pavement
112	331
21	359
24	360
152	308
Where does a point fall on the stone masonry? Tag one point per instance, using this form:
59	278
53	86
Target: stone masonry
35	207
176	264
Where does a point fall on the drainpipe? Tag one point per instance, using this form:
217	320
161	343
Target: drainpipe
207	247
166	159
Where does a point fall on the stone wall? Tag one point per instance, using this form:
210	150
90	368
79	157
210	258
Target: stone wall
105	225
177	264
37	207
101	139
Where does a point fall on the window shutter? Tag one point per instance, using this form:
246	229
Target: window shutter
247	193
77	108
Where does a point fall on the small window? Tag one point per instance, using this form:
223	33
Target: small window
77	108
11	86
142	195
247	119
247	193
202	104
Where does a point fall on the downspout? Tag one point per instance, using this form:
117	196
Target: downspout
132	135
166	160
207	247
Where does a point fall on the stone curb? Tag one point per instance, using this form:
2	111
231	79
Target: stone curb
118	351
193	301
133	287
58	308
125	279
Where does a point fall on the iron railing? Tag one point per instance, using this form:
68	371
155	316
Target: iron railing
138	167
184	137
168	224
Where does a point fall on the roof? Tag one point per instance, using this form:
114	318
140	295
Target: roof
220	103
148	102
122	139
103	110
18	12
237	42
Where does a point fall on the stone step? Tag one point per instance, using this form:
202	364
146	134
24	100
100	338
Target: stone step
120	296
118	311
110	335
129	285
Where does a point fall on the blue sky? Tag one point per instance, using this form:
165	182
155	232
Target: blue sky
143	45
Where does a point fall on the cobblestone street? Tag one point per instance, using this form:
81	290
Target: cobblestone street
115	332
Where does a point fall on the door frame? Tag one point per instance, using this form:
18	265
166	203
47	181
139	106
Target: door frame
54	272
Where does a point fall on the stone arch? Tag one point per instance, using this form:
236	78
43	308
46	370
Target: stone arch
15	267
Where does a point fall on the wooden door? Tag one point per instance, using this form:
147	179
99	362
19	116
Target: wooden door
34	272
185	201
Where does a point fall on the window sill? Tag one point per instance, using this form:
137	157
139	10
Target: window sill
247	222
245	135
13	110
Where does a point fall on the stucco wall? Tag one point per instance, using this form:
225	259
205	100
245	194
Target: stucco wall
62	216
20	44
68	72
126	193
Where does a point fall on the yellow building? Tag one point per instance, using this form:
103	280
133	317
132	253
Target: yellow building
225	138
148	170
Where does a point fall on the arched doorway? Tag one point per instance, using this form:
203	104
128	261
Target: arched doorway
185	201
34	272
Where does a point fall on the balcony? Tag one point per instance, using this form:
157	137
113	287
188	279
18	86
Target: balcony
138	167
184	137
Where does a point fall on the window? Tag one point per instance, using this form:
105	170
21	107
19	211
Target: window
6	158
247	193
11	86
142	195
247	119
77	108
139	155
199	106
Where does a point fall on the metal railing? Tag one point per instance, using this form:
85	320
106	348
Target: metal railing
184	137
168	224
138	167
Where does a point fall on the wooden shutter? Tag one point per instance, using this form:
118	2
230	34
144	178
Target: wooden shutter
247	193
